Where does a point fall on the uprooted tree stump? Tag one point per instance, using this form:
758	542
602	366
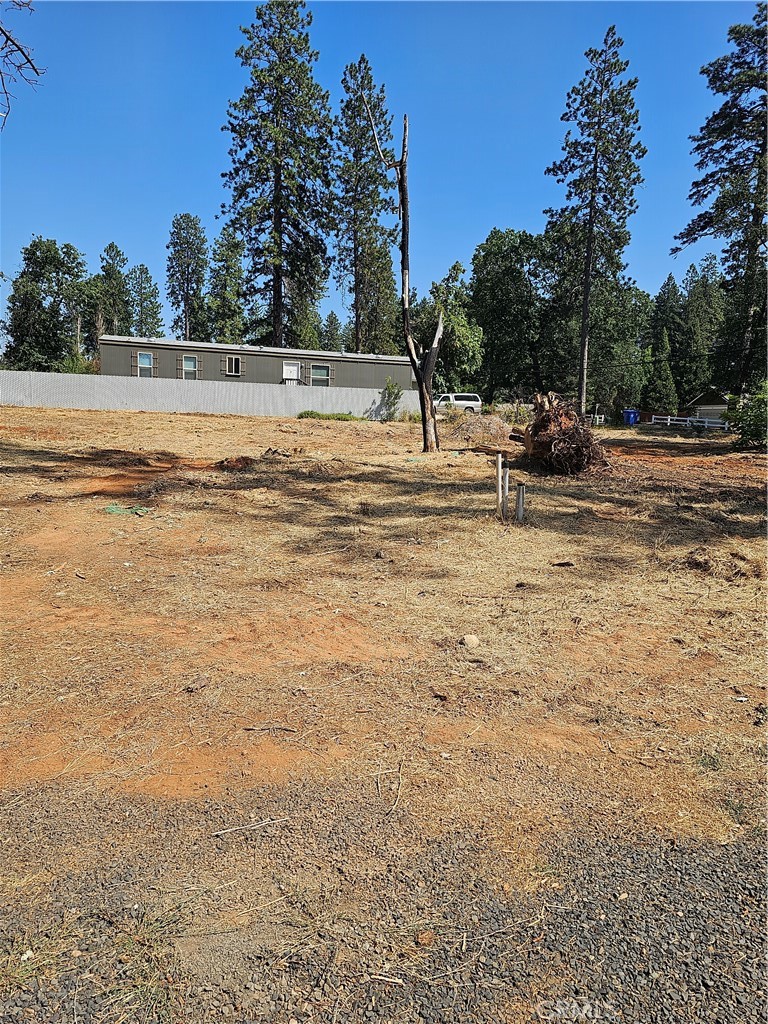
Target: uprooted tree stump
559	440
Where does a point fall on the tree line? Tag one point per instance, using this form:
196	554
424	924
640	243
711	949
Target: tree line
308	199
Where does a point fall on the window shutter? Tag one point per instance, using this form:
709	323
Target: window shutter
242	366
180	366
134	364
199	370
154	364
331	374
305	373
223	364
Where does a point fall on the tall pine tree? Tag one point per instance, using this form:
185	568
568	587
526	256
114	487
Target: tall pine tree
114	290
186	269
280	179
601	172
146	313
731	149
363	258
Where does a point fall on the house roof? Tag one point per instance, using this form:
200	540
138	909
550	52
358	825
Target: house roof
709	395
120	339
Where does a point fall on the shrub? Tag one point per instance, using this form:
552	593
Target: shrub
310	414
749	417
391	394
74	363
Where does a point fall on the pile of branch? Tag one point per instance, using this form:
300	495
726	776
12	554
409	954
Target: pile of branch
559	440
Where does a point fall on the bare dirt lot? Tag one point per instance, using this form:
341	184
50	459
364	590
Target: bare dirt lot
251	769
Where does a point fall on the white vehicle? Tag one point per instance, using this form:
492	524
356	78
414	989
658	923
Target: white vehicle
467	402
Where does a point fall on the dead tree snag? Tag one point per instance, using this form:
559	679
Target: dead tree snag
423	360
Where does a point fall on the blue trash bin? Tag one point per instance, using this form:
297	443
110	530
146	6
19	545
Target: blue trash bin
631	416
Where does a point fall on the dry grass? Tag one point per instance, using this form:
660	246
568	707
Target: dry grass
298	618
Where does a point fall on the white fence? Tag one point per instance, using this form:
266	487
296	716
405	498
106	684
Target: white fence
89	391
690	421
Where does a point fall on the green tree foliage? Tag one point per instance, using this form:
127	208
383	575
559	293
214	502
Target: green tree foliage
601	172
114	290
225	289
731	151
186	269
146	313
460	351
331	334
38	322
280	178
703	315
363	258
505	302
748	415
660	395
620	330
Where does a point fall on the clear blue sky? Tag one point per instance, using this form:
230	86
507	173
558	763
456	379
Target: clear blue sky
124	130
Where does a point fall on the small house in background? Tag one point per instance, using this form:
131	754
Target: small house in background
709	405
167	359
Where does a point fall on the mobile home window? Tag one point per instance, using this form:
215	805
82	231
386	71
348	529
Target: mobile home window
321	376
233	366
144	364
189	366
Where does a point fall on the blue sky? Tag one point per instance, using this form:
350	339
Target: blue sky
125	128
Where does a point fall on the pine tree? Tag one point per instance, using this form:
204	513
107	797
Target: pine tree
114	290
703	312
39	321
280	179
731	149
363	258
330	334
146	311
668	315
660	395
601	171
225	289
186	268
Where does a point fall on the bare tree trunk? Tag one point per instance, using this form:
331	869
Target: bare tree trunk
422	361
278	311
357	288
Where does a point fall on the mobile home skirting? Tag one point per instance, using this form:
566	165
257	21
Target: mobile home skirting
86	391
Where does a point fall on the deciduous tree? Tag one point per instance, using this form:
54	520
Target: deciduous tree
505	301
38	322
600	169
16	61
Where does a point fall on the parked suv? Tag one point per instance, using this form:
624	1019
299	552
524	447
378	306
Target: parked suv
469	403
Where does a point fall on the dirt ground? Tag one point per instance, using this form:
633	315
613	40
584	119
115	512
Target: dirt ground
192	650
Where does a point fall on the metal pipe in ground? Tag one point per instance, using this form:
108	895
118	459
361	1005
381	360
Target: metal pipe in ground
498	483
520	507
505	491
